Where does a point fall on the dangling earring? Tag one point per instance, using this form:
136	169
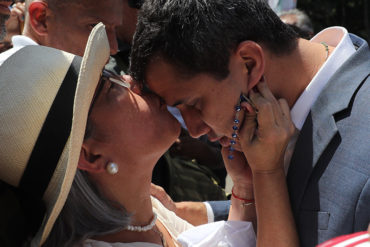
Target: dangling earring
235	128
234	135
112	168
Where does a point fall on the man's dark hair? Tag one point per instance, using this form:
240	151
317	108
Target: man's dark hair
135	3
197	36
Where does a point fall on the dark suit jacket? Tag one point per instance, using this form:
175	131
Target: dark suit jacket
328	178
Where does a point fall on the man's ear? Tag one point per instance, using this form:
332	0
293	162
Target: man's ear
90	161
37	12
252	55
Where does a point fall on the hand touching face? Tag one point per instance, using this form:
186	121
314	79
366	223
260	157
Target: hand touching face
264	136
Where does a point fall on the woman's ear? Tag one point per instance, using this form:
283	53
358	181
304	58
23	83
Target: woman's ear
37	12
252	55
90	161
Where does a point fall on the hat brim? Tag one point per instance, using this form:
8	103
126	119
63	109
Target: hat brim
95	57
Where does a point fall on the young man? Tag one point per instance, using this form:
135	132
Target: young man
66	25
202	55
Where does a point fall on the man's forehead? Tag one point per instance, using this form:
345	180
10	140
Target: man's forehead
164	80
160	68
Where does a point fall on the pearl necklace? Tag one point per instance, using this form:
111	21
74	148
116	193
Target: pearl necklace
143	228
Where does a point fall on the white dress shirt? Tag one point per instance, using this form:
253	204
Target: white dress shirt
19	41
338	38
220	234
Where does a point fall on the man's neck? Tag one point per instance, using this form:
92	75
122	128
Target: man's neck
28	32
288	75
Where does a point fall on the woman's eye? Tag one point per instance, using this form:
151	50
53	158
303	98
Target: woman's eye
162	101
115	88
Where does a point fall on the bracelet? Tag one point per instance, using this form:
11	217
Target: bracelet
246	201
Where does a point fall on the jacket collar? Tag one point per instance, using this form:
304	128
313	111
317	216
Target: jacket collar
320	126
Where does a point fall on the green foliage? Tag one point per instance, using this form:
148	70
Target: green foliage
352	14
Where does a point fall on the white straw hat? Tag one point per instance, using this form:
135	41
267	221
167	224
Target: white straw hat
45	96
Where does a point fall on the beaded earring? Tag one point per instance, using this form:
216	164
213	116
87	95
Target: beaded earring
235	128
236	122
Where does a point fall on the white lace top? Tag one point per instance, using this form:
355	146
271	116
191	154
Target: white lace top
169	219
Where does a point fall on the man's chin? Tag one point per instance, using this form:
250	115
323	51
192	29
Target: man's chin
223	140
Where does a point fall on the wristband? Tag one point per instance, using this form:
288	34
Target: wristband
241	199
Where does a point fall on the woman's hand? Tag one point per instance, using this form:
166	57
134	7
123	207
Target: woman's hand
265	135
240	173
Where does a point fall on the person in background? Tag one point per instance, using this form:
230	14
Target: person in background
66	25
4	15
14	25
299	21
282	5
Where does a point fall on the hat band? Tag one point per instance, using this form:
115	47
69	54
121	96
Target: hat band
48	148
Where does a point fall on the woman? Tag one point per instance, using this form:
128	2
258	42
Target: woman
127	132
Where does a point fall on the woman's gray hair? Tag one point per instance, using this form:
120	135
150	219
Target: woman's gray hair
302	19
86	213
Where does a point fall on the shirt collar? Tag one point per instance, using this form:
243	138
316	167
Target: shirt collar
339	38
21	40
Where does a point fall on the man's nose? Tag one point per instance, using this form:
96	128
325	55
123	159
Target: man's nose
113	44
196	126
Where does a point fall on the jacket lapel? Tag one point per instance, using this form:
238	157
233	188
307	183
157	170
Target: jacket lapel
320	126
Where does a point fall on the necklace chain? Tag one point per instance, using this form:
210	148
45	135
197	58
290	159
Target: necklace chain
326	49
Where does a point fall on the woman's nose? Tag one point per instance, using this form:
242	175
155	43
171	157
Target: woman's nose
113	44
196	126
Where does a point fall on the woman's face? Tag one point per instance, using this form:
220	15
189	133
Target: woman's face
127	126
